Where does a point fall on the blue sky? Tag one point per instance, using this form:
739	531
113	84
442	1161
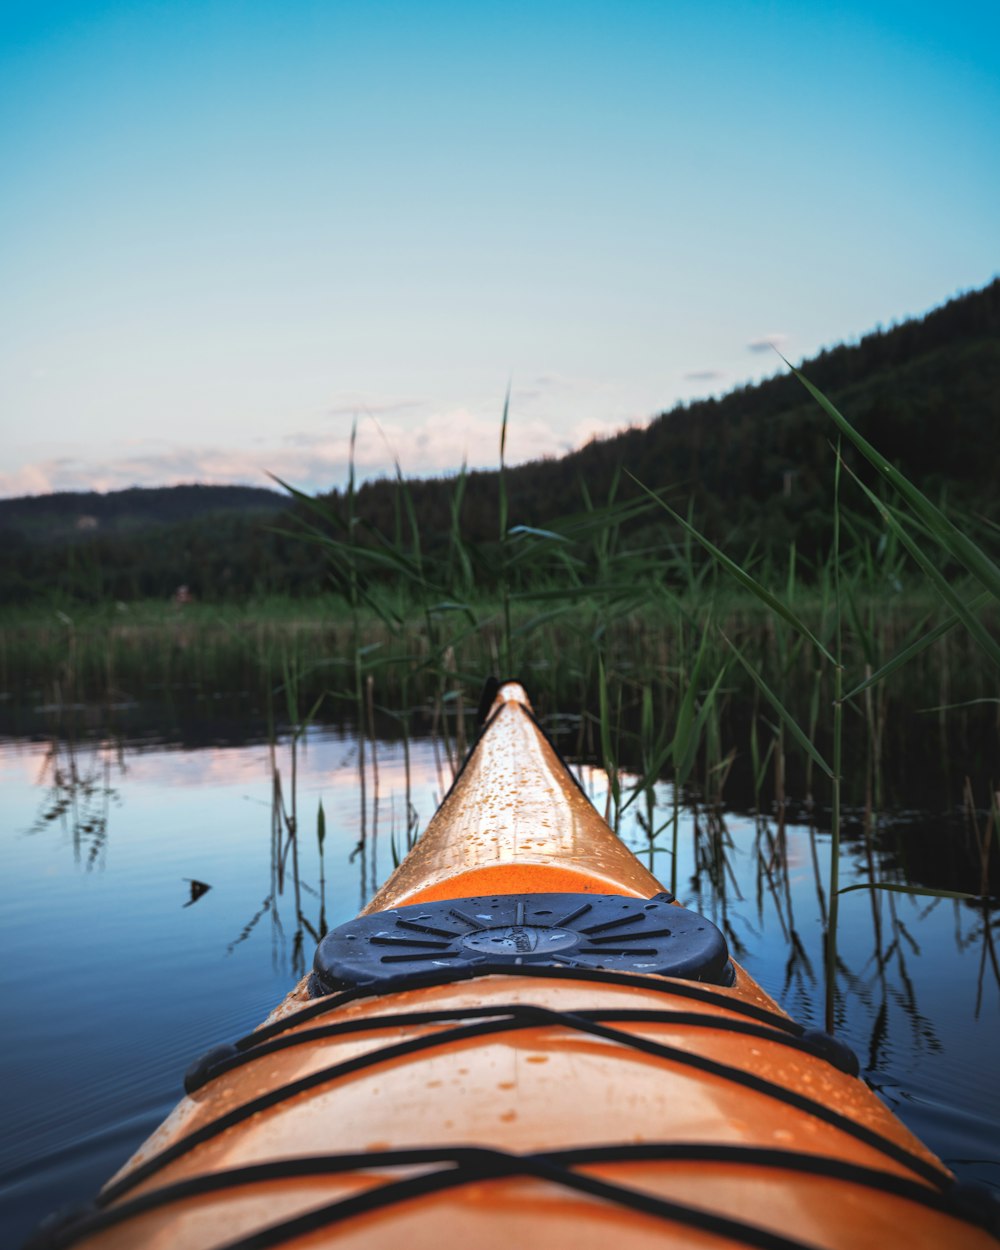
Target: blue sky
228	230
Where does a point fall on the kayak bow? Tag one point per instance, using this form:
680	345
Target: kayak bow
524	1040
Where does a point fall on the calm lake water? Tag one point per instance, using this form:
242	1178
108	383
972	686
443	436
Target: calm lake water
118	968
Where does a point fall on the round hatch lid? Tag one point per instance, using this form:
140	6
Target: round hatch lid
504	931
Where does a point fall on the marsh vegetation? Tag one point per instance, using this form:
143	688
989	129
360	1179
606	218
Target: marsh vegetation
837	683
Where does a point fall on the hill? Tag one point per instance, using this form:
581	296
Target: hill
68	516
757	462
755	466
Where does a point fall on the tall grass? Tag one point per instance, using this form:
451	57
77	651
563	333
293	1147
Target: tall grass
931	539
675	658
670	659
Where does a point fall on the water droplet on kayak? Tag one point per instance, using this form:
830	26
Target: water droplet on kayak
507	1116
538	1059
506	1085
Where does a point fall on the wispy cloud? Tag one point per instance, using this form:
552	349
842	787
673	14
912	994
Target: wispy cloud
318	459
358	405
565	382
704	375
767	343
169	467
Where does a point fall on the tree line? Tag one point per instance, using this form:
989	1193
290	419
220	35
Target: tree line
754	467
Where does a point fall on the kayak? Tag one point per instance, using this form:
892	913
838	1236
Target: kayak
524	1040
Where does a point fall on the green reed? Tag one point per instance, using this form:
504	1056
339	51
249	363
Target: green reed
929	537
682	660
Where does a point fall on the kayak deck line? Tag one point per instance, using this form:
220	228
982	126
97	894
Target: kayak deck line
231	1059
473	1164
524	1040
276	1023
504	1018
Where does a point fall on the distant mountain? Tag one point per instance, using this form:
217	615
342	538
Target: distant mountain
755	466
758	461
69	516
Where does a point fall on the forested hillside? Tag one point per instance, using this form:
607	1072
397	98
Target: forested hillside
756	464
65	516
755	467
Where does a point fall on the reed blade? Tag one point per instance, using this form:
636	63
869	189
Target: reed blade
786	717
741	575
942	528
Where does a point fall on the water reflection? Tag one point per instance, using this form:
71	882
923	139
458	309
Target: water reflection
292	835
295	906
777	857
78	794
765	882
198	890
286	883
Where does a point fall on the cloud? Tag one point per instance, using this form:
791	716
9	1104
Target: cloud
212	466
591	428
318	459
550	415
358	405
704	375
564	382
766	343
31	479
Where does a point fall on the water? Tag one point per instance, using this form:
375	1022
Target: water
118	968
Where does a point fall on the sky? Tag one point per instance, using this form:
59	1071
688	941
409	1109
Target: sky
232	230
